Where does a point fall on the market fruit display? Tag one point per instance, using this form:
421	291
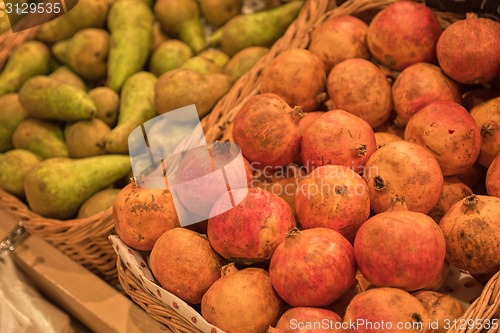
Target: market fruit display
371	168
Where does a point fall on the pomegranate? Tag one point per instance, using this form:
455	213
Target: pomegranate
477	96
383	138
337	137
185	264
448	131
442	308
340	38
142	215
335	197
266	129
487	117
192	180
361	88
469	50
309	320
250	231
297	75
403	169
493	178
242	301
473	175
403	34
313	267
400	249
472	234
381	310
453	190
307	120
419	85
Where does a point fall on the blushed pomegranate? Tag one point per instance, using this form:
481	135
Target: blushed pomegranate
242	301
250	231
340	138
403	34
298	76
419	85
472	234
400	249
449	132
361	88
309	320
403	169
313	267
340	38
493	178
381	310
487	118
266	129
185	264
469	50
335	197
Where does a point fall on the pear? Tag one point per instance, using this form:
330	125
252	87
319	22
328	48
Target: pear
136	107
202	65
57	187
131	25
181	19
46	98
216	55
107	102
256	29
15	164
11	115
170	54
243	61
86	53
40	137
64	75
87	14
218	12
27	60
98	202
158	36
181	87
85	138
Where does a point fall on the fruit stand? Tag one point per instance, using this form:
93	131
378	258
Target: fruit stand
249	166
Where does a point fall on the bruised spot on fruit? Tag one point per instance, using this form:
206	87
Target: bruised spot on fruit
340	190
390	60
451	131
416	317
361	149
378	183
462	234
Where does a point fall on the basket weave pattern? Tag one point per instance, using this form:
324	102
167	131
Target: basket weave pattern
218	126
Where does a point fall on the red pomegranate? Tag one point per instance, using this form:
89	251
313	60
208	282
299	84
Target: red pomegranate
309	320
313	267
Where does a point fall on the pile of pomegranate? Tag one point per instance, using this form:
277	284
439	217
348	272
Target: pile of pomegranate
374	166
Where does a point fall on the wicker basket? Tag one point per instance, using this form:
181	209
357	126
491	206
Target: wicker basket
217	126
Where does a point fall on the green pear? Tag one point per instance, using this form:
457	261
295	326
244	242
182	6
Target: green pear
158	36
181	19
181	87
11	115
216	55
98	202
86	14
107	103
85	138
136	107
46	98
256	29
15	164
243	61
86	53
27	60
130	23
65	75
57	187
202	65
40	137
218	12
169	55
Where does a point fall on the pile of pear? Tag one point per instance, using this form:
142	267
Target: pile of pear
70	98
